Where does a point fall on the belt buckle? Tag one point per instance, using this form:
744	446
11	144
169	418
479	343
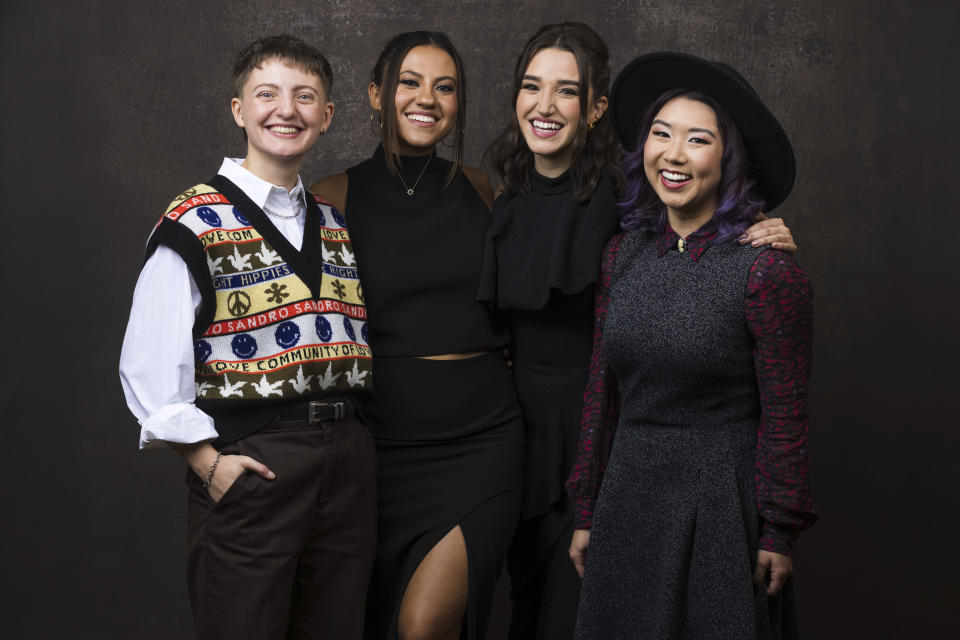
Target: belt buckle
313	414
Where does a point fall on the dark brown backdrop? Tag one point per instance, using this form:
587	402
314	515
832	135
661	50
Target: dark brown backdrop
109	109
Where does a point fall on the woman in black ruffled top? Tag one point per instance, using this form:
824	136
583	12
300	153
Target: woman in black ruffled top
443	413
559	165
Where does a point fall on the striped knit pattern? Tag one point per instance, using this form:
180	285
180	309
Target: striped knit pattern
270	337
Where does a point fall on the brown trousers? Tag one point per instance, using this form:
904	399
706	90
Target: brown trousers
289	557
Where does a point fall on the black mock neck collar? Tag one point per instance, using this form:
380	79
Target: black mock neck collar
411	166
550	186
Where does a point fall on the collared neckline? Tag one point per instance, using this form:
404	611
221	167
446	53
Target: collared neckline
275	201
696	244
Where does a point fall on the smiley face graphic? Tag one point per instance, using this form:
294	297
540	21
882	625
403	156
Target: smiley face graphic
324	330
287	334
201	351
209	216
240	217
244	346
348	327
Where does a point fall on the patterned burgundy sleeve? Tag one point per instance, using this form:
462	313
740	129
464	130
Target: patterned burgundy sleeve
601	407
779	313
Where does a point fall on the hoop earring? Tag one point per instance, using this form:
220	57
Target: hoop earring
373	124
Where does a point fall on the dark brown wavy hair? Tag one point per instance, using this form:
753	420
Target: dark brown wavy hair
386	75
594	151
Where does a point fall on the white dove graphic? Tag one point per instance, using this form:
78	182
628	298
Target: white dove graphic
347	256
267	389
239	262
355	377
214	265
327	380
202	388
328	256
267	256
301	384
228	389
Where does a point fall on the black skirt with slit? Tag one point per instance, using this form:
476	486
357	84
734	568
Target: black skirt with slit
449	443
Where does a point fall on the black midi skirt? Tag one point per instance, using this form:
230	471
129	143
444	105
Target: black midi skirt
449	443
545	586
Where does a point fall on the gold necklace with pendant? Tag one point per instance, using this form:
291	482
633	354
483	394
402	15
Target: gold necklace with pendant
410	189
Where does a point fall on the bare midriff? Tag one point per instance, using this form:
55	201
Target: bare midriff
457	356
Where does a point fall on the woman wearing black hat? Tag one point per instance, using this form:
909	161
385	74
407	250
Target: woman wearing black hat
701	363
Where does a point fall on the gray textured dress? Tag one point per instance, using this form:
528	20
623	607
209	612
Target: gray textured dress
675	531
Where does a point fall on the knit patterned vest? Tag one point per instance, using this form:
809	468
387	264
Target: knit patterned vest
275	324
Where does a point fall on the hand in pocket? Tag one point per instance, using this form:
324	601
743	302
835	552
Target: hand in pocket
229	469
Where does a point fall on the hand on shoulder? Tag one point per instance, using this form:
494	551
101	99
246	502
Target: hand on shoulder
772	231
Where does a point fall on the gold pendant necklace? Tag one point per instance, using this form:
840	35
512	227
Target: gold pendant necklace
410	189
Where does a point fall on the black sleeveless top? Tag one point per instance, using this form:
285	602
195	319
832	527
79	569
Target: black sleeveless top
419	257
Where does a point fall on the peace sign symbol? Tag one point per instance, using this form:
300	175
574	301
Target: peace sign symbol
238	303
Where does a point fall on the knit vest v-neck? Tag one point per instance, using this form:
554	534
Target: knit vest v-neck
275	325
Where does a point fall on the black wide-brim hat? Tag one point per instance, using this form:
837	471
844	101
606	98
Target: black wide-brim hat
648	77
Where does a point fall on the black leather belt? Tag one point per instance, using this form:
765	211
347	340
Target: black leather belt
317	411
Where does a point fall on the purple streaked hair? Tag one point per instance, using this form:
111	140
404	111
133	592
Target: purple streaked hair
740	200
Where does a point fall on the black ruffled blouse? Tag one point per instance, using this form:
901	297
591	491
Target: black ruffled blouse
544	241
541	259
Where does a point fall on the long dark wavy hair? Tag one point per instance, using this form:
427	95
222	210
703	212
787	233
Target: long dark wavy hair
739	199
386	75
593	152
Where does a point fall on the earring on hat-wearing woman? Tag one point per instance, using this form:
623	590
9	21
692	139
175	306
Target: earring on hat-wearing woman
373	127
322	131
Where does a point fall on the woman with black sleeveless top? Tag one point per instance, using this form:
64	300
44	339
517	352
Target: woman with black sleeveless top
558	162
444	414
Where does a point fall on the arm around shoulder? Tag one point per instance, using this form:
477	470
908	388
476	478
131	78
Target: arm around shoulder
333	189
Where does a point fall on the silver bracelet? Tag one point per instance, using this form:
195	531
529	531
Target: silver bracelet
213	467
